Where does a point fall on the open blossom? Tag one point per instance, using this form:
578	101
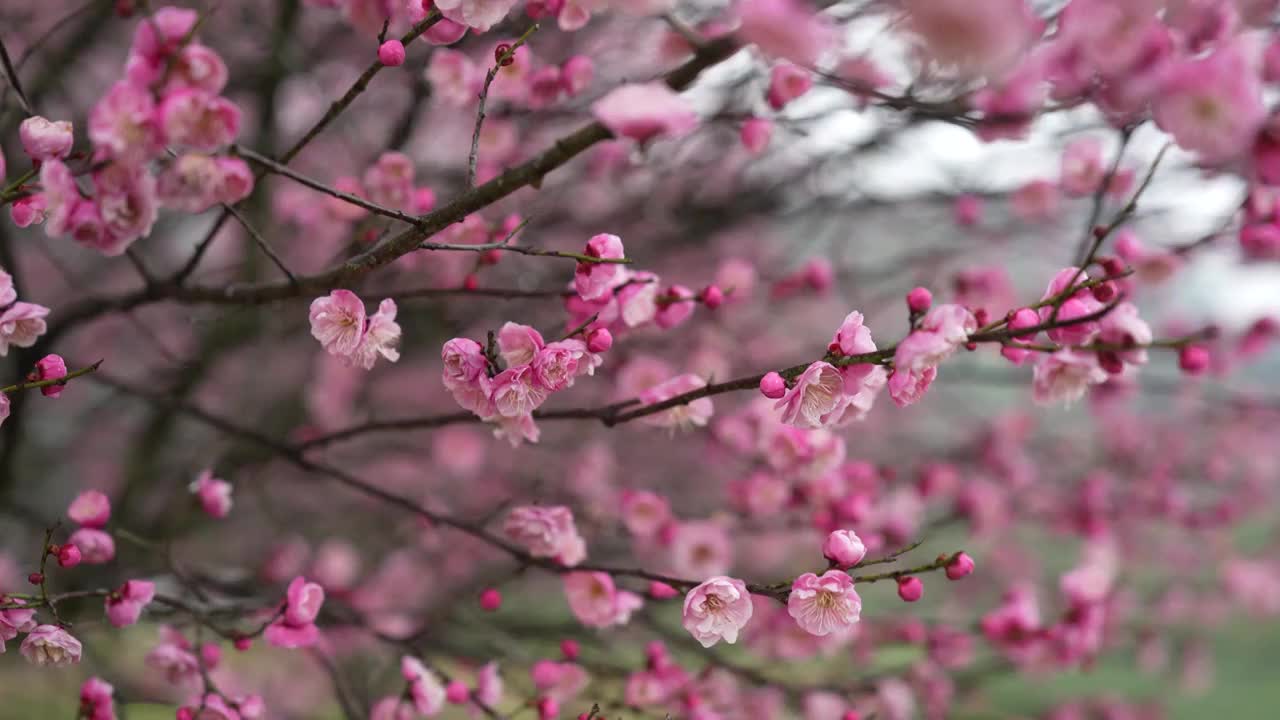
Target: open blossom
172	656
96	546
127	205
816	397
717	610
199	120
645	111
296	628
338	321
546	532
596	602
43	139
123	124
695	413
1064	376
644	513
90	508
125	604
973	37
516	392
454	77
786	29
381	337
21	324
479	14
1212	105
425	688
556	365
51	645
560	681
826	604
14	621
1122	326
637	298
214	494
518	344
593	281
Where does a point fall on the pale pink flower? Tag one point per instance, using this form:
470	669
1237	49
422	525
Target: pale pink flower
90	508
381	337
51	645
1212	106
61	197
547	532
594	281
7	292
786	83
644	513
906	387
489	685
127	204
389	181
295	628
172	656
824	605
675	308
717	610
214	494
973	37
425	688
816	398
637	298
479	14
199	67
1082	166
464	361
519	344
392	708
576	75
199	120
1122	326
645	111
1064	376
124	124
700	549
14	621
43	139
125	604
337	321
694	413
853	337
844	548
596	602
454	77
556	365
96	547
189	183
21	324
516	392
786	29
1037	201
560	681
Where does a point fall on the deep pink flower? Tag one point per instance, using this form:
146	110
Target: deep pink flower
199	120
96	546
214	494
127	204
546	532
1212	105
824	605
126	604
51	367
90	508
51	645
295	628
124	124
645	111
43	139
755	134
717	610
97	700
816	398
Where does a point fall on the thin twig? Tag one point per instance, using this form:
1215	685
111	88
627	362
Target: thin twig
12	74
505	57
261	242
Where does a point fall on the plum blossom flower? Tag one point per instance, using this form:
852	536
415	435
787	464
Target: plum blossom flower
97	700
844	548
381	337
546	532
96	546
14	621
516	392
20	325
338	321
90	508
51	645
973	37
425	688
644	513
172	656
700	549
199	120
593	281
560	681
479	14
786	29
596	602
695	413
127	205
826	604
296	628
645	111
518	344
1212	105
124	125
786	83
1123	327
126	604
717	610
1064	376
50	367
815	399
213	493
454	77
1082	167
43	139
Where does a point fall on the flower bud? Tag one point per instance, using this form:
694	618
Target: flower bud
910	588
391	53
68	556
919	300
773	386
490	599
961	565
844	548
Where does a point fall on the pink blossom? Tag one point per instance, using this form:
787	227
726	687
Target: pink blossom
51	645
516	392
844	548
594	281
644	513
214	494
337	321
199	67
824	605
163	32
576	75
189	183
786	83
479	14
425	688
389	181
464	361
127	205
973	37
547	532
1064	376
97	700
125	604
1082	166
14	621
124	124
90	508
519	344
173	657
235	181
717	610
295	627
755	134
645	111
559	681
1123	327
556	365
61	197
1212	105
489	685
786	29
1037	201
27	211
20	325
96	546
43	139
596	602
392	708
816	398
686	416
700	548
50	367
199	120
381	337
454	77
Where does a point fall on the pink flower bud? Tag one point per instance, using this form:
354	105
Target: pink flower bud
35	578
211	654
819	275
968	210
851	715
570	649
661	591
1193	359
712	297
919	300
755	134
599	340
43	139
391	53
910	589
457	692
844	548
184	713
548	708
773	386
576	74
243	643
51	367
960	566
490	600
68	556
